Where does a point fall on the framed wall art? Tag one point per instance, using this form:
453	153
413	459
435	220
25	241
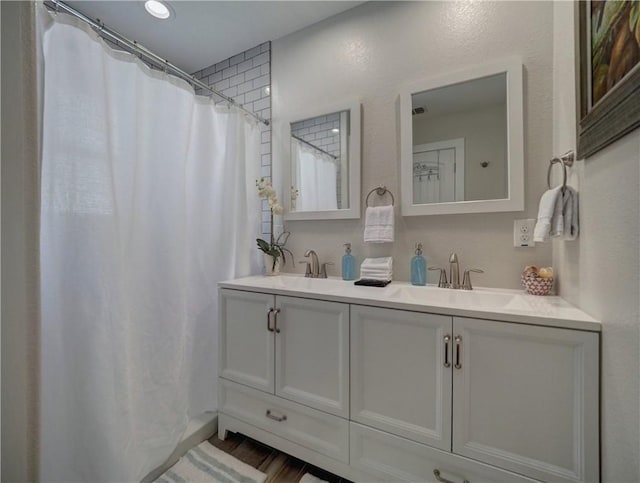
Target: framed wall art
609	72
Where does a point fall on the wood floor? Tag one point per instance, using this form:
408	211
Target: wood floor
279	467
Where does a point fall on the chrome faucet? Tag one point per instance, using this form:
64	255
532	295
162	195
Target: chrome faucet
442	280
454	275
466	279
454	271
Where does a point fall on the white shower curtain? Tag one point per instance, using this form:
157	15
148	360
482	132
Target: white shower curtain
148	200
316	178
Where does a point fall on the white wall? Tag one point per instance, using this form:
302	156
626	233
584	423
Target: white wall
485	139
600	272
367	53
19	246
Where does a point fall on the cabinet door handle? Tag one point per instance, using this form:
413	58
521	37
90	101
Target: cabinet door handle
270	415
436	473
447	338
269	319
275	318
458	340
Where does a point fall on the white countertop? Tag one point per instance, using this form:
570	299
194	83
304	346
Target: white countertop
482	303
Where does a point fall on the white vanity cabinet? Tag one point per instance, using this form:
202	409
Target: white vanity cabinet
398	381
376	390
520	397
294	348
246	348
525	398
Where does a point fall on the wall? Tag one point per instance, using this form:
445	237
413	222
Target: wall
367	53
600	272
246	77
485	139
20	206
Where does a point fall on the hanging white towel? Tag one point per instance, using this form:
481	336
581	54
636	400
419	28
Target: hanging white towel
570	214
379	224
546	211
556	228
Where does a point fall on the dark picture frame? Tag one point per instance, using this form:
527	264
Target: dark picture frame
617	111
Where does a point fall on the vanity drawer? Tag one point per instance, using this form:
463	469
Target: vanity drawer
385	457
313	429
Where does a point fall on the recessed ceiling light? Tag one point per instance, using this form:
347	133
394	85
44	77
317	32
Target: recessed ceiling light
157	9
335	130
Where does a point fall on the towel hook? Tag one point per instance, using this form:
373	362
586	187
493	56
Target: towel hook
380	191
565	160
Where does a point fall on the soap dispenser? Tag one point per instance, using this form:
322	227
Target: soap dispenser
418	267
348	264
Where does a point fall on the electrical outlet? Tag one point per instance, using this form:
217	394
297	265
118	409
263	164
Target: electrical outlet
523	233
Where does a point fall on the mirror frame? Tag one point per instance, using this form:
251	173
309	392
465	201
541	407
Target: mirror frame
354	108
515	141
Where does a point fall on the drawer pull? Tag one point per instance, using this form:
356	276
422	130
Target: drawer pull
270	415
436	473
458	340
447	338
269	319
275	318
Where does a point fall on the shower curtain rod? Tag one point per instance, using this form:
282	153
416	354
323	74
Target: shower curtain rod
141	50
314	146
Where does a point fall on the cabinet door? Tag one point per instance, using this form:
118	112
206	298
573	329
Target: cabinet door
246	341
312	353
401	373
525	398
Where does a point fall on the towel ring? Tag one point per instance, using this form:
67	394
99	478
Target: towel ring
565	160
380	191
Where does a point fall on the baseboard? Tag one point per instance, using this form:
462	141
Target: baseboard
200	429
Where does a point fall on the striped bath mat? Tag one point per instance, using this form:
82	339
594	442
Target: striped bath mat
207	464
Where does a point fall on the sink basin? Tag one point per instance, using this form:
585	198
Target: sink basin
321	285
480	299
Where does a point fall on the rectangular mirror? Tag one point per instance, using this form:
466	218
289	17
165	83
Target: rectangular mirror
461	142
323	171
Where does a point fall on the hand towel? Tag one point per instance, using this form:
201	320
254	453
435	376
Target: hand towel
556	227
377	268
570	213
547	208
564	222
378	224
383	263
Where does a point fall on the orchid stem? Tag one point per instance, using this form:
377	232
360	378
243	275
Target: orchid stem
272	238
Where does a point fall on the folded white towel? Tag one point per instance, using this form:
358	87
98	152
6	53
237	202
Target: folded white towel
384	278
374	272
378	224
383	263
377	268
547	208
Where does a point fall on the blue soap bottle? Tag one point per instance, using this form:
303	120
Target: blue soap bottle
348	264
418	267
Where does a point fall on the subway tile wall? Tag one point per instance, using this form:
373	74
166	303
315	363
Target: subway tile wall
246	77
320	133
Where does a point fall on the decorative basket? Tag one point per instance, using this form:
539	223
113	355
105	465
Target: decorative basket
537	285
